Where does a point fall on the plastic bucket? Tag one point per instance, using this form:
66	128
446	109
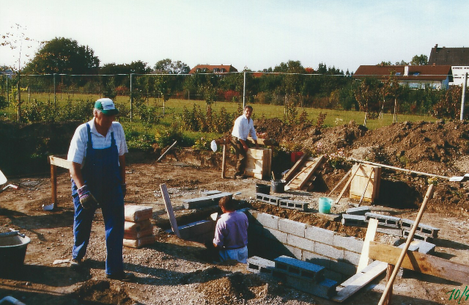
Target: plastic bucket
12	253
263	189
278	186
325	205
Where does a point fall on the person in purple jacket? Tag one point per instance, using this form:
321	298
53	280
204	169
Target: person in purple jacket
231	232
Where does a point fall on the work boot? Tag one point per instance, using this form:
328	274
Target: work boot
122	276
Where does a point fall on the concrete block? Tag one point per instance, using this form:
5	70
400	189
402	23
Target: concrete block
298	268
348	242
385	220
209	193
319	234
422	229
329	251
260	265
294	251
292	227
194	229
291	204
358	210
205	201
418	236
268	199
352	257
268	221
325	289
300	242
314	258
353	220
276	234
344	268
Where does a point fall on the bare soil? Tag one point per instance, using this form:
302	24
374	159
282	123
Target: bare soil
175	271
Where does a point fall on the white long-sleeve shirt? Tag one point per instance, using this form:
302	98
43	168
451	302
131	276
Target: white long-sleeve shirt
243	127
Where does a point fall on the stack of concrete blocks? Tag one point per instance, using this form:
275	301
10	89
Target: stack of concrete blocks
274	236
138	229
389	224
200	231
304	276
205	201
281	202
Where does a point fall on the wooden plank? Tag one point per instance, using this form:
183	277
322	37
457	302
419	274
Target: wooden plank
301	179
370	236
291	173
60	162
360	186
354	172
169	209
423	263
359	280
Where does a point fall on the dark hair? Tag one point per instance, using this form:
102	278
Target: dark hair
227	203
248	106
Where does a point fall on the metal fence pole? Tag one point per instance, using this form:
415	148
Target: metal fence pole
131	98
463	96
244	90
55	93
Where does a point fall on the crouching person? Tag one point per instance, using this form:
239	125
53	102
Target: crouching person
231	233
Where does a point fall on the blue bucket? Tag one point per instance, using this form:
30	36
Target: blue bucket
325	205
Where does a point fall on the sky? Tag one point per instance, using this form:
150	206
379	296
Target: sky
252	34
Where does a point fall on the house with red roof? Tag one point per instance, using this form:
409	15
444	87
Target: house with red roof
416	77
217	69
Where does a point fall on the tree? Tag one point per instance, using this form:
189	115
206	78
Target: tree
64	55
367	95
419	60
171	67
15	40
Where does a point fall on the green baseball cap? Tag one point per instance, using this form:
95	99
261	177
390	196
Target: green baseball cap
106	106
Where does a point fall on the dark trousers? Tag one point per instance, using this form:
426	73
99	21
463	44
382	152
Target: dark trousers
241	156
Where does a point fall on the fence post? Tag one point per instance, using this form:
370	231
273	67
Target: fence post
463	96
131	98
244	90
55	93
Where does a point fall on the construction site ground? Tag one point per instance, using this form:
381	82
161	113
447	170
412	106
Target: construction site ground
175	271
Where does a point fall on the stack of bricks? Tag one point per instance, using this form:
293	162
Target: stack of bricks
138	229
304	276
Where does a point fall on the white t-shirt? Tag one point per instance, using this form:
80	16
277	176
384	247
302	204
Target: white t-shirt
77	149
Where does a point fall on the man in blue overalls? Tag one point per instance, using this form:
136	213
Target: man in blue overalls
97	152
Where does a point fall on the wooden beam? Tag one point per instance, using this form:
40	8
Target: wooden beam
347	184
291	173
60	162
169	209
223	162
370	236
423	263
389	284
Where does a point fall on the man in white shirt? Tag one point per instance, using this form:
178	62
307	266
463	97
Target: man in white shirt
243	127
97	152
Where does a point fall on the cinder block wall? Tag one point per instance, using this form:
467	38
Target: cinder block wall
271	236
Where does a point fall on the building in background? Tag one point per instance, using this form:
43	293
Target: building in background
457	58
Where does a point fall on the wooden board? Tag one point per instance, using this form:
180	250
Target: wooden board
303	176
370	236
359	280
169	209
360	181
294	170
258	163
60	162
420	262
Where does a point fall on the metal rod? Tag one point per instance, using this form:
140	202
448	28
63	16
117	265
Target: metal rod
398	168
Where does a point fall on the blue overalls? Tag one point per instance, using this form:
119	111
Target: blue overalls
101	174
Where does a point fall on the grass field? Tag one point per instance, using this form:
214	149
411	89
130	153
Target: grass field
176	106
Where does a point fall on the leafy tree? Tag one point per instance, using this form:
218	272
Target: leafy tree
419	60
16	40
367	94
64	55
171	67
